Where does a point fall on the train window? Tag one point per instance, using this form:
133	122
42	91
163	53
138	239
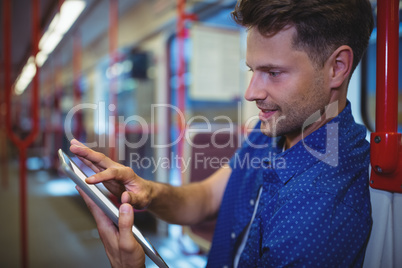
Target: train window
369	78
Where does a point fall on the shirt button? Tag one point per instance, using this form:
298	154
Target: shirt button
252	202
225	266
233	235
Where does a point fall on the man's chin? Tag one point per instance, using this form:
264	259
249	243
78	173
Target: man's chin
267	130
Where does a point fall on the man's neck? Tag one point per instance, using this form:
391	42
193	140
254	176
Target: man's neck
331	110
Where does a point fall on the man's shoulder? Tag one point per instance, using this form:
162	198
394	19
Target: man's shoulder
347	181
344	185
350	176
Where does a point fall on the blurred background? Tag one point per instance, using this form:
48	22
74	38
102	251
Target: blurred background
129	78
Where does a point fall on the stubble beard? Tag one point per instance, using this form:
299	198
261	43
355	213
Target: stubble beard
291	116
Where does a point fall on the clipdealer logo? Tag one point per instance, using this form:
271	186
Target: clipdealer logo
331	155
106	127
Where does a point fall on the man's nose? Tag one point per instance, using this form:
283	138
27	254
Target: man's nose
255	90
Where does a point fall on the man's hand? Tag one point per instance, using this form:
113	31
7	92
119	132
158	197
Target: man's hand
121	247
118	179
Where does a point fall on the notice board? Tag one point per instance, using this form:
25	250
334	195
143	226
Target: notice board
215	64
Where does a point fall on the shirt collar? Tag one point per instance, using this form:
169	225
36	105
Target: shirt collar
312	148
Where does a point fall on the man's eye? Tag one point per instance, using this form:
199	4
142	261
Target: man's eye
274	74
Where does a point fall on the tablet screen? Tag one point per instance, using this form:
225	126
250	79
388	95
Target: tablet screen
78	176
94	189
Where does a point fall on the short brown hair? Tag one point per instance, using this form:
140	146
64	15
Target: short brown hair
322	25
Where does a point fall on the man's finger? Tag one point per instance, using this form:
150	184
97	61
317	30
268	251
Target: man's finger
105	226
127	241
106	175
89	164
130	251
96	158
77	142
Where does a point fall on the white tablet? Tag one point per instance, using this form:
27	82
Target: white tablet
78	176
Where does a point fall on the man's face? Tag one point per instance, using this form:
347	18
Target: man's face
285	85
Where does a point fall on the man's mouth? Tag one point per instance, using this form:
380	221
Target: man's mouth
265	114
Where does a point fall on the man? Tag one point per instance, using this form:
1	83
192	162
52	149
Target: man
311	210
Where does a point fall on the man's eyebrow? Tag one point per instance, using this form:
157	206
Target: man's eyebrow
265	66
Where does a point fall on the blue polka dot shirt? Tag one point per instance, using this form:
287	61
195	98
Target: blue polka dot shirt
314	208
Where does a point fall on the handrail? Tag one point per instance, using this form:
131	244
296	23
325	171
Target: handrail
182	17
22	144
386	142
3	134
181	91
77	93
113	57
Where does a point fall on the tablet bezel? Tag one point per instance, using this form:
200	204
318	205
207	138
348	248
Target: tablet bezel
78	176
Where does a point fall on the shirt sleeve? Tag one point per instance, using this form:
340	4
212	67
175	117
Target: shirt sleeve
315	230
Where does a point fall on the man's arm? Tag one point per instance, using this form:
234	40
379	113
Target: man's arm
191	203
188	204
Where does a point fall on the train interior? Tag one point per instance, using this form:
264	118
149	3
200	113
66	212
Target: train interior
130	79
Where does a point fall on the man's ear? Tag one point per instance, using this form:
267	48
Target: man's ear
340	66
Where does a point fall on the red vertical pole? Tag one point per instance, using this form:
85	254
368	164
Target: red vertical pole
182	16
3	143
181	34
181	91
4	159
387	66
7	72
35	96
7	61
58	127
78	127
386	143
22	144
113	39
47	118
